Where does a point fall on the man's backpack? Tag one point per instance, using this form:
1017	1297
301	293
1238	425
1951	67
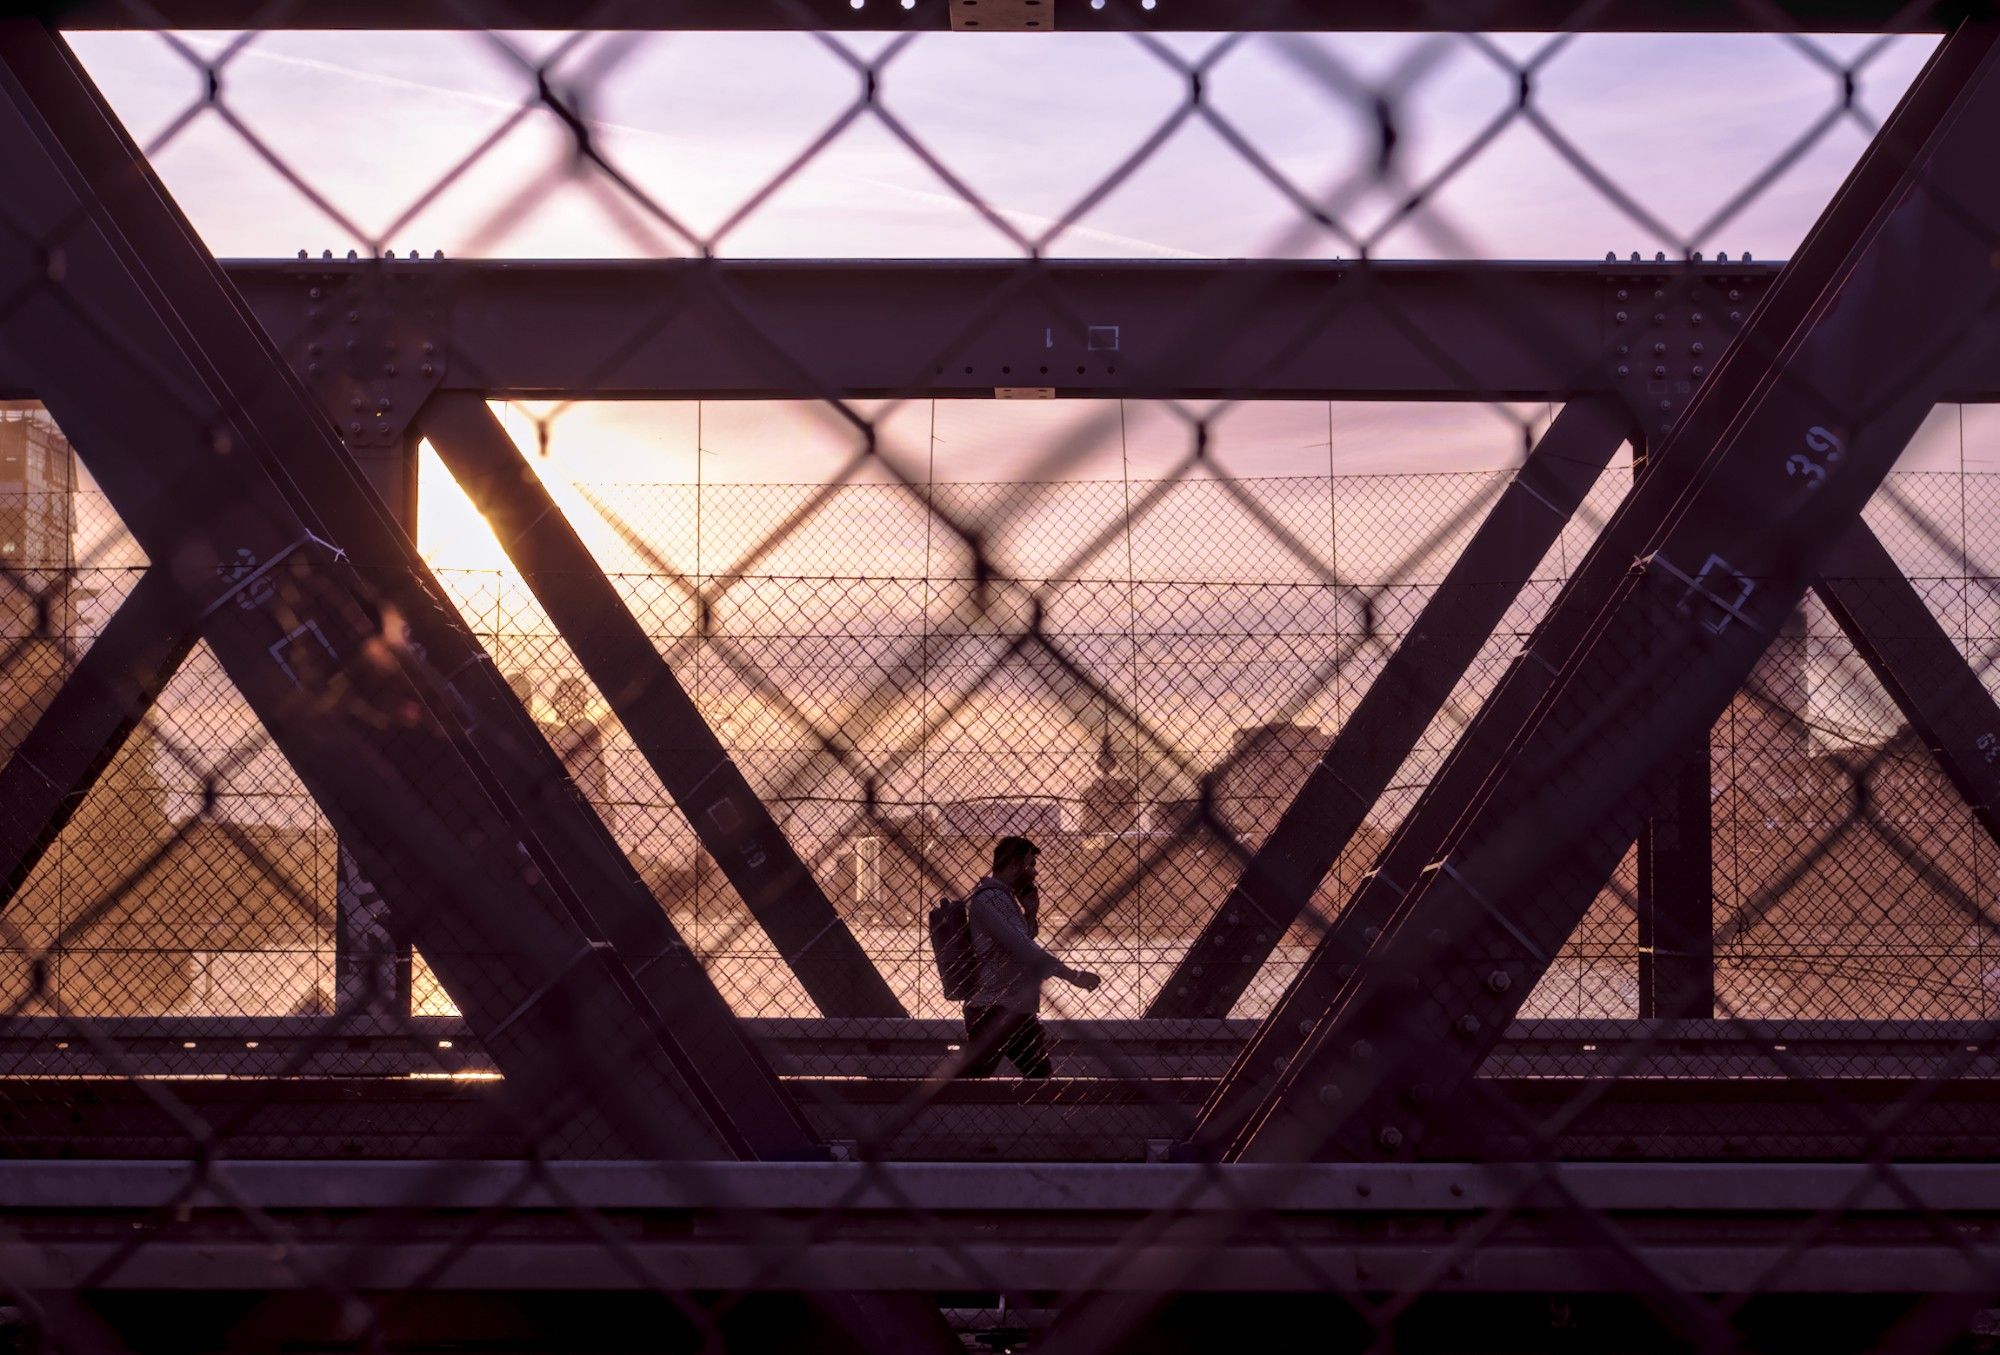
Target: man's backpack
951	943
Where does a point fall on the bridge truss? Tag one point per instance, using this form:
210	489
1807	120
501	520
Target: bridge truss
1336	1099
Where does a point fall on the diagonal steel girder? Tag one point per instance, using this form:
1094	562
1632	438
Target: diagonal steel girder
227	476
1343	786
1657	630
727	816
1921	667
96	704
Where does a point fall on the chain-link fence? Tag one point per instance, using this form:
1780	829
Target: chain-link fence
394	769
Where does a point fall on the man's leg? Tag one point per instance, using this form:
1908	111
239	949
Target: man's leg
985	1029
1027	1047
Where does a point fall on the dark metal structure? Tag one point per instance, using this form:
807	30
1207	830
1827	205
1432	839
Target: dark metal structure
1390	1136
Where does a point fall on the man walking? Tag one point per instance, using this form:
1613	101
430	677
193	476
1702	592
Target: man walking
1001	1015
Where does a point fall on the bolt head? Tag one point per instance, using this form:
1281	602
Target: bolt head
1329	1093
1361	1051
1499	981
1390	1139
1467	1025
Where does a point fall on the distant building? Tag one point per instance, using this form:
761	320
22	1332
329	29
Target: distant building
37	490
1110	804
997	818
1260	776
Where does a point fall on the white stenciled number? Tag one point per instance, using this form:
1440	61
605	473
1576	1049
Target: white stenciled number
1989	746
1826	449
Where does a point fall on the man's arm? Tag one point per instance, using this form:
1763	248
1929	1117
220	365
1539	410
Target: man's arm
991	916
1004	925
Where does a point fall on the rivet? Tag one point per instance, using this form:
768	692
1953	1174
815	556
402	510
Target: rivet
1619	317
354	317
1659	317
1438	936
1694	348
1197	971
313	292
1659	294
1371	933
1391	1138
1457	1189
1328	1094
388	369
1659	372
354	427
355	404
1735	294
1699	371
1361	1051
1660	347
1696	317
427	369
312	369
1623	370
430	347
313	347
1363	1189
1666	404
1621	294
1305	1027
1736	317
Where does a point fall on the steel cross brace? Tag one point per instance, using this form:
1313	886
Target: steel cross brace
95	707
222	470
1656	631
727	816
1399	705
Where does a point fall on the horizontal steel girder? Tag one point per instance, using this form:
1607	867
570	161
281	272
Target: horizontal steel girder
991	1225
759	329
765	329
1064	15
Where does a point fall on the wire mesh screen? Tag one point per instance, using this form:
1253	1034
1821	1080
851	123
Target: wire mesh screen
1464	789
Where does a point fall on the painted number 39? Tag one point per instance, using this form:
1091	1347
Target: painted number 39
1826	451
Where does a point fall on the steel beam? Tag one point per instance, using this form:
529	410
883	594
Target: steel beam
682	329
1457	620
1663	621
990	1223
1922	668
1634	16
197	448
676	329
727	816
98	704
1674	898
654	329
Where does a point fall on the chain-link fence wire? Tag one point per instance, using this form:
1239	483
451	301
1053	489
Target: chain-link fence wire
1034	655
